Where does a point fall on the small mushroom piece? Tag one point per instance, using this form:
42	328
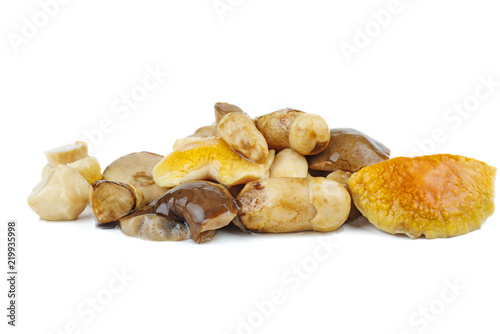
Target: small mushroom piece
342	177
204	206
289	163
222	109
61	195
136	169
293	204
183	141
349	150
305	133
155	227
67	154
111	200
208	159
238	130
206	131
89	168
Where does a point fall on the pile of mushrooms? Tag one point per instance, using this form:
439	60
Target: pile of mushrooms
284	171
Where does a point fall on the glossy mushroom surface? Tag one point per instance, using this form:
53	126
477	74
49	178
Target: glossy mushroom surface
205	206
349	150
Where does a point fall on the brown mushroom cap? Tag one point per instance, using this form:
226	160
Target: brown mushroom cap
349	150
204	205
136	169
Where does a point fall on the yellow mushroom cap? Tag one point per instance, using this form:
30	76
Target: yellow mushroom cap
438	195
208	159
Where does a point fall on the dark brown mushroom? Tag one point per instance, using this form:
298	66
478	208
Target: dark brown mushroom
205	206
349	150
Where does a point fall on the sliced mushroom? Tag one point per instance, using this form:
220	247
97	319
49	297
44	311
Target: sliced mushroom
111	200
136	169
349	150
204	206
67	154
208	159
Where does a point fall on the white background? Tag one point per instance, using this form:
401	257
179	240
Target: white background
262	56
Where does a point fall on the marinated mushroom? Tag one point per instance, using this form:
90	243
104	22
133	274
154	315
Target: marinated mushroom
289	163
136	169
89	168
155	227
111	200
206	131
293	204
205	206
288	128
438	196
208	159
349	150
67	154
61	195
343	177
222	109
238	130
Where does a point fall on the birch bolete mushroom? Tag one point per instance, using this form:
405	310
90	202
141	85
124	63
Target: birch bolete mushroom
292	204
205	206
288	128
349	150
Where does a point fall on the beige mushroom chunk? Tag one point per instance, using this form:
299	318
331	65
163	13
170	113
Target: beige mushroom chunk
238	130
67	154
208	159
294	204
206	131
289	163
61	195
305	133
89	168
342	177
136	169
